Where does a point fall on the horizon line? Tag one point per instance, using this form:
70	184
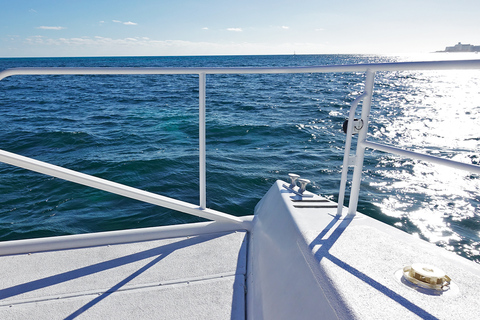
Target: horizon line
232	55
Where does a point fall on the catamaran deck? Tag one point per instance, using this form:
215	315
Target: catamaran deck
196	277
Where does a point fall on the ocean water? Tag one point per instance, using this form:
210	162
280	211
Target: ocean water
142	131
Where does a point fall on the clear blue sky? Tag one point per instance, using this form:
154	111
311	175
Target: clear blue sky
205	27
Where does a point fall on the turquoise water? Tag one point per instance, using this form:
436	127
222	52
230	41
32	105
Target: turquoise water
142	131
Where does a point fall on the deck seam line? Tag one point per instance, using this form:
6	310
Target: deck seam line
165	284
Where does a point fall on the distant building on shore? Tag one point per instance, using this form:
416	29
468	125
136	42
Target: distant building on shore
460	47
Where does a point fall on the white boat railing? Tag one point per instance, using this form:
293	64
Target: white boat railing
201	210
357	160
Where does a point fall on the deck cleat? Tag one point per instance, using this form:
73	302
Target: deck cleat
293	179
303	185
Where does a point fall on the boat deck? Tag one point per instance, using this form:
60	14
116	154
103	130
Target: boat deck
348	268
181	278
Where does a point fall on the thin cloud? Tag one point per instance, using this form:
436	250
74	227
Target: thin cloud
128	23
205	28
285	27
235	29
50	28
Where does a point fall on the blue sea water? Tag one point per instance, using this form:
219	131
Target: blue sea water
142	131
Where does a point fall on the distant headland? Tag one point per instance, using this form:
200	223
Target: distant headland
460	47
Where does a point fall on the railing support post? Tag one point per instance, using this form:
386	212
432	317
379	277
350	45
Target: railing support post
346	155
362	136
201	142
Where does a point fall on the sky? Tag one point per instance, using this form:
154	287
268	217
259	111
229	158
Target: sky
66	28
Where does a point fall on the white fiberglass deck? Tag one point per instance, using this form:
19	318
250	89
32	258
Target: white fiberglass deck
335	268
196	277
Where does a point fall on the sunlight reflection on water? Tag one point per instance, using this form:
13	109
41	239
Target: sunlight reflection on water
435	113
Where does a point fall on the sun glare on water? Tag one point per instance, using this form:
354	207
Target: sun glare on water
436	113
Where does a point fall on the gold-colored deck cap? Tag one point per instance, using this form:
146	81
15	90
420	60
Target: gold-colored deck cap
426	276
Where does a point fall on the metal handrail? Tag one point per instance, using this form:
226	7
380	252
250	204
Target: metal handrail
201	209
346	155
424	157
374	67
362	142
113	187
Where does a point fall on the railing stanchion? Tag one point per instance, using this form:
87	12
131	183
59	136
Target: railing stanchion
346	155
201	142
362	136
